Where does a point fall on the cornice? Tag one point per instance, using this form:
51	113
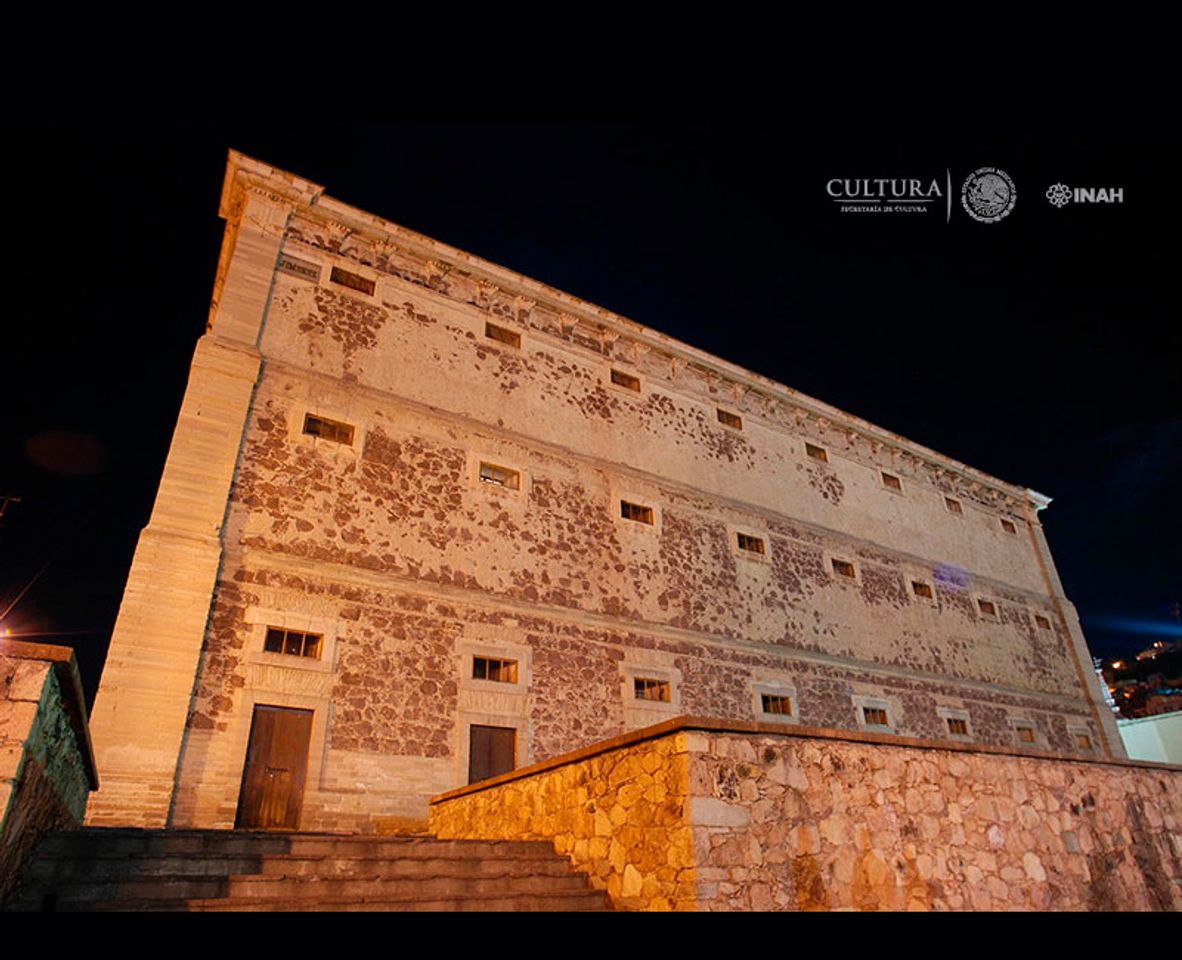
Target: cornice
351	233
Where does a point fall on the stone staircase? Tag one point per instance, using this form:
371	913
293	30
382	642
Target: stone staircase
218	870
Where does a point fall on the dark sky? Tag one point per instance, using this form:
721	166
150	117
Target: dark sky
1042	349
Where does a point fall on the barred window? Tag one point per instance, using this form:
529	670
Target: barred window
875	717
326	429
502	335
636	512
730	420
626	380
751	544
647	689
353	281
777	703
493	668
295	643
501	476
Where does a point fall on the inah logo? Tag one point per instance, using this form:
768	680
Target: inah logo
988	194
1060	195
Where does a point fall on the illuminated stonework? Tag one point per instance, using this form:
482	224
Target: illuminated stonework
381	532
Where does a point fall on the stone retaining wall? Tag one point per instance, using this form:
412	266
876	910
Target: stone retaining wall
46	766
618	813
809	819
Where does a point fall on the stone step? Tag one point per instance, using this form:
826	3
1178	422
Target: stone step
586	901
295	889
63	868
127	869
403	867
112	842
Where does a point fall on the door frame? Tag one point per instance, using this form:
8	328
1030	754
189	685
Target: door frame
310	720
264	697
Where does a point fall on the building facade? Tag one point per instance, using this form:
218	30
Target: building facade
424	519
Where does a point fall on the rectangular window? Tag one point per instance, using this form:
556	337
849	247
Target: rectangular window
634	511
652	689
294	643
875	717
954	506
492	668
626	380
843	568
1043	622
750	544
891	482
987	608
777	704
353	281
1083	741
958	727
1007	526
334	430
921	589
817	453
1025	734
502	335
501	476
730	420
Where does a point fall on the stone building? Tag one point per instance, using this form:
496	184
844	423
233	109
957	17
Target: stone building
424	519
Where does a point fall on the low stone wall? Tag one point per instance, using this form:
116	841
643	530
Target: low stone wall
782	823
46	765
618	810
807	819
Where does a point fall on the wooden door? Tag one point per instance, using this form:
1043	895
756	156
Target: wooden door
491	752
276	766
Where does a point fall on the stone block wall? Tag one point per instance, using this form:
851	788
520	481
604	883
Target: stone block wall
812	820
46	767
618	811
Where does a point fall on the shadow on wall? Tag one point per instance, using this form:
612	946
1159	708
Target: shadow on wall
46	762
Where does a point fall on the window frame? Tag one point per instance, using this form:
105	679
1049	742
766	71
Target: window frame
1018	724
809	447
930	599
623	380
505	336
832	558
335	269
864	702
959	714
721	413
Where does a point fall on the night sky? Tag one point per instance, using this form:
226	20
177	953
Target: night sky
1042	349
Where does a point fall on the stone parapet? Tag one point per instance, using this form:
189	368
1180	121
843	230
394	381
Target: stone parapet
617	810
807	819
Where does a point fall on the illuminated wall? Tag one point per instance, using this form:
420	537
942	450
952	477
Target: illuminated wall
875	579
